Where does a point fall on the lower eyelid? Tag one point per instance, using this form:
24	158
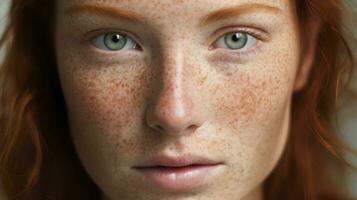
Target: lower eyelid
250	51
241	53
99	55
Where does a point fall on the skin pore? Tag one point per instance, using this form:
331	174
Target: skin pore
176	87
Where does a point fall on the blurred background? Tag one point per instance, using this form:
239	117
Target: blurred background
4	5
347	113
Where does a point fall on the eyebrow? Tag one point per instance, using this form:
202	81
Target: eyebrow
136	18
106	11
237	11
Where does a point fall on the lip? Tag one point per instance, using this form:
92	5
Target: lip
177	161
179	174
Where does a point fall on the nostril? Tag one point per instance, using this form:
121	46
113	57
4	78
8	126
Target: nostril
160	128
192	127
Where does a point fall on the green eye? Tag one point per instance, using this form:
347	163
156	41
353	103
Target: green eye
113	41
236	40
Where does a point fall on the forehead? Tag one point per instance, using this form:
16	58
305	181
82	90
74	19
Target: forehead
158	3
180	8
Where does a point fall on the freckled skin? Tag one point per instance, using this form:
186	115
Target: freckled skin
174	96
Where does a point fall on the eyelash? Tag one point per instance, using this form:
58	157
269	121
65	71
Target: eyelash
89	37
258	34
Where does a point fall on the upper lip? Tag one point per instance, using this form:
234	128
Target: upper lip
177	161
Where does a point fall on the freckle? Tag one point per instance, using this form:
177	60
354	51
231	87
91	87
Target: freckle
132	90
91	84
247	104
117	145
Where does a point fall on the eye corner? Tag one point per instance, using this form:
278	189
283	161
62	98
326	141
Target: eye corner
138	47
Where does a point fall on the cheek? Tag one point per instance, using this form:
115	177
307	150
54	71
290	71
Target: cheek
104	102
104	97
104	106
252	98
256	94
252	108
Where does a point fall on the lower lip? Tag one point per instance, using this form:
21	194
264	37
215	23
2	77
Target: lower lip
180	179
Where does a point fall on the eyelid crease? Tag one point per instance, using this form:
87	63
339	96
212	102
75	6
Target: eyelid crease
259	35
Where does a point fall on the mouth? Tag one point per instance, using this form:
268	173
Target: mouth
179	174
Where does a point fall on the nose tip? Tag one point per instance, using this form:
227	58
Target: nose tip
174	118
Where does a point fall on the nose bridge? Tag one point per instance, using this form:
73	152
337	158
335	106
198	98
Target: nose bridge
172	83
174	109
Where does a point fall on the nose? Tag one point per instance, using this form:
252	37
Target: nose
175	108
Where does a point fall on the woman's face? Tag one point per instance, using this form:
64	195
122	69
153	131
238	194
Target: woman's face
146	78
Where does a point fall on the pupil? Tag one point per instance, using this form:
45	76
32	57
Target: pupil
235	37
115	38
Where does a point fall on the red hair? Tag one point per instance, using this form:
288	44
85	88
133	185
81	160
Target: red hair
37	158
